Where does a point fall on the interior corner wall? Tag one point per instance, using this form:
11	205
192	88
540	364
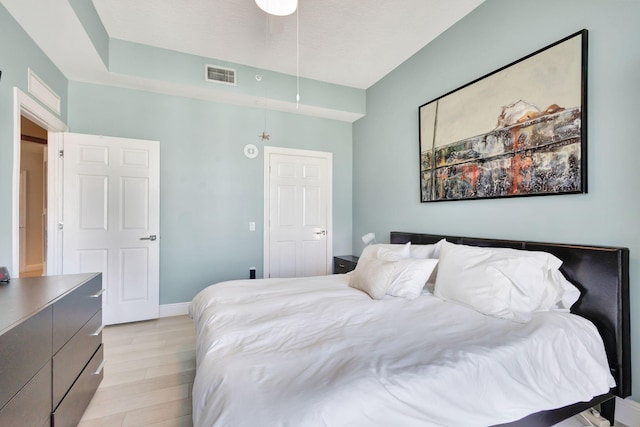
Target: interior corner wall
385	148
209	190
18	53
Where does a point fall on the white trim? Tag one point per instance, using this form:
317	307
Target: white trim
22	232
628	412
268	150
55	191
178	309
38	88
24	105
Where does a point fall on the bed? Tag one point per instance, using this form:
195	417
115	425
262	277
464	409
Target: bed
317	351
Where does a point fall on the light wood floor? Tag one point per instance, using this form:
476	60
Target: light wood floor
148	375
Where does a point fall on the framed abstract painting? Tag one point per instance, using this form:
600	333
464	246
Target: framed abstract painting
518	131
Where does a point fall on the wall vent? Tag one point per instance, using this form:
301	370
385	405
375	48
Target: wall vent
217	74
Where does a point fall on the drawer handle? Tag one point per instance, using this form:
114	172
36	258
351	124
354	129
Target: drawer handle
97	332
341	266
98	294
100	368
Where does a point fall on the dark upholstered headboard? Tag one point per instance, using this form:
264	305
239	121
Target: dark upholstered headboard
601	274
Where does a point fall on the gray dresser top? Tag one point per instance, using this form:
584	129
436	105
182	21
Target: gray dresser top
22	297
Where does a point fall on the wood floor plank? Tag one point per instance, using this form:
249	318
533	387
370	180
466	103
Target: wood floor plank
146	385
114	378
110	421
161	359
185	421
111	406
171	368
148	376
137	353
159	413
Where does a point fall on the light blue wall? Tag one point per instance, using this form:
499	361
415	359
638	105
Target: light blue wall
88	16
209	189
17	53
154	63
385	147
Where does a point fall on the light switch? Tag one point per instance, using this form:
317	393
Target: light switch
252	226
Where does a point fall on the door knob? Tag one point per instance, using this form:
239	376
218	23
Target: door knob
323	232
152	237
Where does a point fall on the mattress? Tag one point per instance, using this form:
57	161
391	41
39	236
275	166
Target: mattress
315	352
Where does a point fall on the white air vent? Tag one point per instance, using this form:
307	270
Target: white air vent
215	73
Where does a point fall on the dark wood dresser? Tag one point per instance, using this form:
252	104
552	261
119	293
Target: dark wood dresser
50	348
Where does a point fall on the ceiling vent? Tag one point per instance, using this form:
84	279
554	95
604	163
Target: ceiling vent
217	74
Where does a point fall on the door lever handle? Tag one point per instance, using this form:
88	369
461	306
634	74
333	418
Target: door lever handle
323	232
152	238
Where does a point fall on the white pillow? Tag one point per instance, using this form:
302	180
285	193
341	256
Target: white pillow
392	251
560	294
373	276
374	272
505	283
410	276
570	294
386	252
426	251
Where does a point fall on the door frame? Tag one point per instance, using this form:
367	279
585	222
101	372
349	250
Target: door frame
268	150
24	105
22	228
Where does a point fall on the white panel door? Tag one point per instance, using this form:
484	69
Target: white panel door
298	214
111	220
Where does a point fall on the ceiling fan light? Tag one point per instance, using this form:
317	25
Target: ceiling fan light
278	7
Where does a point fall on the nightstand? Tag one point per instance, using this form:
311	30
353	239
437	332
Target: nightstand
344	263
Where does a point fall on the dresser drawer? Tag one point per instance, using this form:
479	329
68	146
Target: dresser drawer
24	349
344	264
72	358
31	407
75	309
70	410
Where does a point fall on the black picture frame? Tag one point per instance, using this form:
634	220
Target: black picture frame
518	131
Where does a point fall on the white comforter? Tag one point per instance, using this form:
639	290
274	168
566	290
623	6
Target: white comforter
315	352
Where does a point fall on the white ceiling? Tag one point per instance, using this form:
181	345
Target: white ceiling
347	42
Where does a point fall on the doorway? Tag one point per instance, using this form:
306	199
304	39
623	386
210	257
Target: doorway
33	198
27	108
298	212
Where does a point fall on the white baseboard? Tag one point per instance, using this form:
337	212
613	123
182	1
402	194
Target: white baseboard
179	309
628	412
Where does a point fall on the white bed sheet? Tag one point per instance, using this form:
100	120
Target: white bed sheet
315	352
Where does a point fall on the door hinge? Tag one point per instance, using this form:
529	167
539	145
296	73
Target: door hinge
60	226
61	153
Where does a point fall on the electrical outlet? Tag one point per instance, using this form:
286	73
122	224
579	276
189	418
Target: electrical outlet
252	226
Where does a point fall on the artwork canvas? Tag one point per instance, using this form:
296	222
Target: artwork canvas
519	131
